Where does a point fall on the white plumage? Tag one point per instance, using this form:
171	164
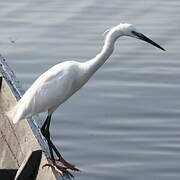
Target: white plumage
50	90
57	84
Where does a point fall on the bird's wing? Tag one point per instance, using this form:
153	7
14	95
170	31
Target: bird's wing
48	91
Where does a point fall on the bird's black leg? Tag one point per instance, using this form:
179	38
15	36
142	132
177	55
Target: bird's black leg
45	132
43	128
48	139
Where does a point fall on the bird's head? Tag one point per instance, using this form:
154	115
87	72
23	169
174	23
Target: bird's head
124	29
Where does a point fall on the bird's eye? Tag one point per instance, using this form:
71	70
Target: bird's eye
133	32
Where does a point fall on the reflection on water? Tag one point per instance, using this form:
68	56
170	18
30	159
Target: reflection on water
124	124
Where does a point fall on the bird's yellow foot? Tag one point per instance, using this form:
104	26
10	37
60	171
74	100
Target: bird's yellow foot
66	164
60	169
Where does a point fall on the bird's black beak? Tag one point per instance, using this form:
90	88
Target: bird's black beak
144	38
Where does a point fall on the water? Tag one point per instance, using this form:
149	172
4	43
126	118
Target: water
124	124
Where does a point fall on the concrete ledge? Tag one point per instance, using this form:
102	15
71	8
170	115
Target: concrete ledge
17	141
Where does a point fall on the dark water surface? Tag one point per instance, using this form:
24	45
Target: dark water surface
125	123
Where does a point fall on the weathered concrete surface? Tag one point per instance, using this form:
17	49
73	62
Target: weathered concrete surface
17	140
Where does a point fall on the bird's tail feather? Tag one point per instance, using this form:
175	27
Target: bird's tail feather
15	113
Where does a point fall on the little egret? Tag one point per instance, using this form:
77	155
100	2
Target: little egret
61	81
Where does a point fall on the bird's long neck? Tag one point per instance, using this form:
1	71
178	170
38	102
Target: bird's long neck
94	64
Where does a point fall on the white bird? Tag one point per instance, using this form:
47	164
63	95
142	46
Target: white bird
61	81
